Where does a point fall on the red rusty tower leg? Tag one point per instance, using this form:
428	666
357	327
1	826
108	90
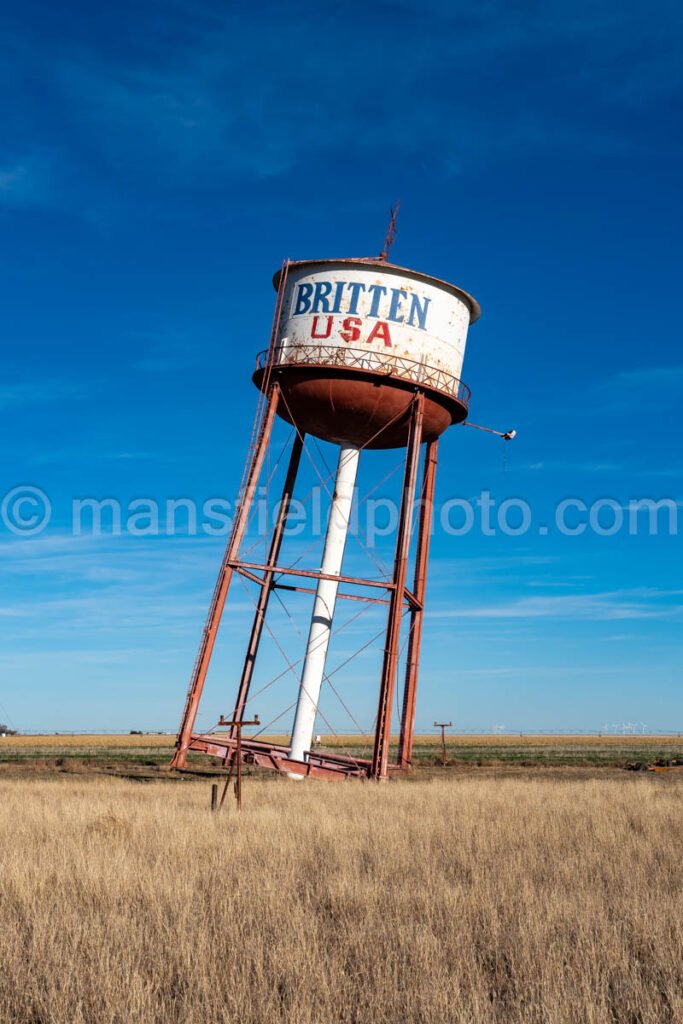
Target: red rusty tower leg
267	583
380	755
405	746
220	593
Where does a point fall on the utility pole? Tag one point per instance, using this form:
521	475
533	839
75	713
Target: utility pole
236	725
443	726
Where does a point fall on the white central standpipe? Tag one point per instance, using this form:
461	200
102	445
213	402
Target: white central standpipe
323	606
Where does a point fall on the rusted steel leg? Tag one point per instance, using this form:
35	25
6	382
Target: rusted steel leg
380	756
267	586
220	593
238	780
405	745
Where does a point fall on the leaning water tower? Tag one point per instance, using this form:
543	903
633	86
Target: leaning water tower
366	355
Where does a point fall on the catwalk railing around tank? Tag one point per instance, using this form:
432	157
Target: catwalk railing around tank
370	361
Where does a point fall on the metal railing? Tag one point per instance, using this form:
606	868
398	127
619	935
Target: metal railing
389	364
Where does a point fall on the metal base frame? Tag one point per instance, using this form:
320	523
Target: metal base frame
399	600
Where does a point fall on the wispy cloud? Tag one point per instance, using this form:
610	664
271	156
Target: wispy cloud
225	99
25	182
639	603
166	355
37	392
550	465
58	583
675	471
628	388
648	376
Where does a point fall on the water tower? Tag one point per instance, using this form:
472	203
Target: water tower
366	355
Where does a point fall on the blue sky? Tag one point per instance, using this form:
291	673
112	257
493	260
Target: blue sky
157	163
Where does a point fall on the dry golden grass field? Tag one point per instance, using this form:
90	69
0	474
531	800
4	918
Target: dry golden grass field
534	900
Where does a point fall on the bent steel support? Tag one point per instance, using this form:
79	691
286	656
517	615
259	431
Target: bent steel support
267	584
405	743
380	756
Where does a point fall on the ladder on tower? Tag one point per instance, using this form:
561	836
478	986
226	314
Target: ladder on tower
250	468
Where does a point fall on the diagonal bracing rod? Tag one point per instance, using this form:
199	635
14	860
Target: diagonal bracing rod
220	593
267	583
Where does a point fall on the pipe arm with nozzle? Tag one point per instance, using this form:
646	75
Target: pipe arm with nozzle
507	435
